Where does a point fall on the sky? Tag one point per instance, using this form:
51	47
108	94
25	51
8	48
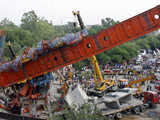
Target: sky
60	11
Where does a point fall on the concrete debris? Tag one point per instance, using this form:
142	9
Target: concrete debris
76	96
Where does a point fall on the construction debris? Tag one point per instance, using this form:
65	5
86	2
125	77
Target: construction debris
76	96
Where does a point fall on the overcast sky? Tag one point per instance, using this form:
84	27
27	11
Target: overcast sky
60	11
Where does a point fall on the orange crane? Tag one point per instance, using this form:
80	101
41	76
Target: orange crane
88	46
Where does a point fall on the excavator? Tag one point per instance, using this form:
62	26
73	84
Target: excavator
52	55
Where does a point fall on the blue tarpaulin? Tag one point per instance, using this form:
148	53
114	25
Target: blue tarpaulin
43	79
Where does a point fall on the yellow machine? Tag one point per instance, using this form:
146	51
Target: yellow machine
63	81
139	81
133	71
100	83
69	71
64	85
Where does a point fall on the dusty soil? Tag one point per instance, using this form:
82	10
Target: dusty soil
150	114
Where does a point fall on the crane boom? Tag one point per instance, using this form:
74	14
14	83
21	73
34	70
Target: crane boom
139	81
97	71
131	83
104	40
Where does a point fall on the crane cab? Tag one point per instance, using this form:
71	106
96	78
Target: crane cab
151	98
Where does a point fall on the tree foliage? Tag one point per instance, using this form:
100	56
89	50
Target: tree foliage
29	21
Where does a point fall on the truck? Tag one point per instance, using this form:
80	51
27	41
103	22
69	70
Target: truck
113	104
151	99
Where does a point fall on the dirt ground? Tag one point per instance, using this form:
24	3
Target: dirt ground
150	114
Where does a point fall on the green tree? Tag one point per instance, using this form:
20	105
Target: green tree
143	43
117	59
6	23
45	30
29	21
107	22
94	29
153	42
103	58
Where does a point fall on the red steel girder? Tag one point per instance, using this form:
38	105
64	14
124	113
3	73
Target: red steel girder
106	39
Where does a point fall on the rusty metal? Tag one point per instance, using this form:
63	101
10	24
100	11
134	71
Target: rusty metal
106	39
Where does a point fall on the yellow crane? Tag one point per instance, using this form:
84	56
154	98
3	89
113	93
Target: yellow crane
139	81
100	83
